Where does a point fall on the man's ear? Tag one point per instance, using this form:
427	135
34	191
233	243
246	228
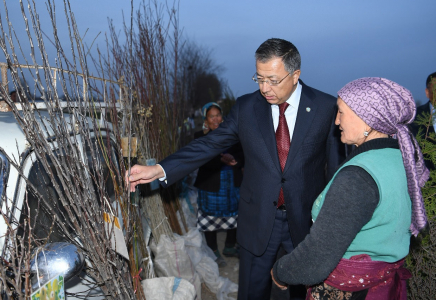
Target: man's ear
296	76
427	93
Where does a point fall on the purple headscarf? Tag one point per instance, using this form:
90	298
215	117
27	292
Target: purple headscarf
388	107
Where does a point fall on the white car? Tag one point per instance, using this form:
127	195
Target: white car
14	189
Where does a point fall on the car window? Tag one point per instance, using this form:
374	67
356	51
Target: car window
42	205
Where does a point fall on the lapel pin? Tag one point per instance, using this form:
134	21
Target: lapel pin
308	109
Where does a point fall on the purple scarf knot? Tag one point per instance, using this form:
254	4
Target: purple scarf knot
388	107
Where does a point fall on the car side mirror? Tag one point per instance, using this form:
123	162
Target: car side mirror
53	259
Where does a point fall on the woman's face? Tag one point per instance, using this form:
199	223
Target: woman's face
351	126
213	118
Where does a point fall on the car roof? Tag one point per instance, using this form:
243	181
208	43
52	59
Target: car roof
12	137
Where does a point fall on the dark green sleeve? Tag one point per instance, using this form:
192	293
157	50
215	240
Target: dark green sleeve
349	204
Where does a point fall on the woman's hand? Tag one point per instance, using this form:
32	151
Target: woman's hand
228	159
282	287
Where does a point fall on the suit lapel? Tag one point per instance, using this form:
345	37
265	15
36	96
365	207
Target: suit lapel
305	115
262	110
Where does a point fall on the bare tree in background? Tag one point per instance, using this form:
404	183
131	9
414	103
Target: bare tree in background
202	73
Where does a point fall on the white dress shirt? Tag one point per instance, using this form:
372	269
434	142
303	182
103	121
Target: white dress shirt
290	112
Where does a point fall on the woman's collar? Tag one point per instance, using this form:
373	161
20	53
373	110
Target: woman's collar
375	144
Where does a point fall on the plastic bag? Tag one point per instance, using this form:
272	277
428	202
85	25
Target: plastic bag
203	259
171	259
189	257
168	288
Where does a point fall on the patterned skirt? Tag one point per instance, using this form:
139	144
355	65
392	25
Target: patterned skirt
219	210
211	223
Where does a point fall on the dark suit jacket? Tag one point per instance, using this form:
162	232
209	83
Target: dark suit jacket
313	158
208	176
414	128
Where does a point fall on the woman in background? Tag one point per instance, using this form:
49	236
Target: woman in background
365	216
218	183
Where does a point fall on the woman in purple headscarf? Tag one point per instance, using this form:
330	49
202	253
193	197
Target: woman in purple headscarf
365	216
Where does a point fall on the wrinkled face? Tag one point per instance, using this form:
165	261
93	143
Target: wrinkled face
429	91
351	126
274	69
213	118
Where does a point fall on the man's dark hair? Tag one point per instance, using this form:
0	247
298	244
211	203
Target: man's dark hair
429	78
12	92
274	47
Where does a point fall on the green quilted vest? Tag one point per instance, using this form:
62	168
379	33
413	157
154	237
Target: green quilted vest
386	236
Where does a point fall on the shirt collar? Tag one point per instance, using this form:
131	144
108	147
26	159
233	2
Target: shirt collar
294	100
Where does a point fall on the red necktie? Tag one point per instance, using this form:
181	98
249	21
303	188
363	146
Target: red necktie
283	143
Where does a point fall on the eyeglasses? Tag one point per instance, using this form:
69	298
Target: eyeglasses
270	82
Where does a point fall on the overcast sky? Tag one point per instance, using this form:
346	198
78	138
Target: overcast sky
339	40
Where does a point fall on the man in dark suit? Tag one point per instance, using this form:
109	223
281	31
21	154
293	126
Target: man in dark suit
291	148
427	110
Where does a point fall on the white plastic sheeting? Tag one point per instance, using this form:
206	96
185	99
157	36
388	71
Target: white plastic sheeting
164	288
188	257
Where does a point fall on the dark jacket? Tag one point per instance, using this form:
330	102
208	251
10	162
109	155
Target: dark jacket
208	177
